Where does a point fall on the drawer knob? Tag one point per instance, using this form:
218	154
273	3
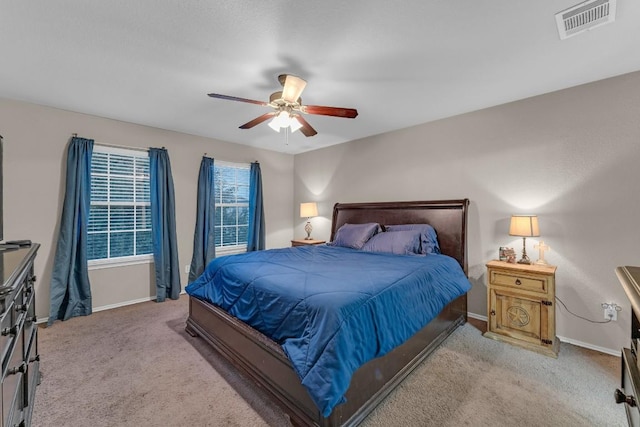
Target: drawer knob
20	368
21	307
10	331
493	312
518	282
623	398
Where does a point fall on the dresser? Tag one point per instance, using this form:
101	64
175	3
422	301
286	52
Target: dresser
627	394
18	335
521	306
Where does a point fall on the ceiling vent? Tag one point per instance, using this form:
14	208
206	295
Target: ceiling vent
585	16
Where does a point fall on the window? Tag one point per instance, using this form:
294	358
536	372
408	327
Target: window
120	215
232	206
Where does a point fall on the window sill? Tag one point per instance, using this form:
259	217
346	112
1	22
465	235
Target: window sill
119	262
234	251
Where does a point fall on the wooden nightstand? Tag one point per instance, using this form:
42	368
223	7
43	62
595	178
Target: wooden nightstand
303	242
521	306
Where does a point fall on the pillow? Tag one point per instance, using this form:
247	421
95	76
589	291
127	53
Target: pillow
354	235
397	242
429	238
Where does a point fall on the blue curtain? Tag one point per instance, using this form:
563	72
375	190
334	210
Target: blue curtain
204	243
70	293
255	238
163	225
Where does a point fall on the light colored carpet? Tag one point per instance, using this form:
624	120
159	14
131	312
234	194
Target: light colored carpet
135	366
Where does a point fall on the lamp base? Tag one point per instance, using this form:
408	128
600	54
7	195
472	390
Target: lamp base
525	259
308	229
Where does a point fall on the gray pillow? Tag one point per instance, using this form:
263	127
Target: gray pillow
396	242
354	235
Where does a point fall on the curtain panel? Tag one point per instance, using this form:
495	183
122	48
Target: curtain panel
256	233
204	242
163	225
70	290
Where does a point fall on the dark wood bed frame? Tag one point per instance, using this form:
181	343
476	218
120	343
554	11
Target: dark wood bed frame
264	361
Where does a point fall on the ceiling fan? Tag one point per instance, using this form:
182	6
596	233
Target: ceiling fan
287	106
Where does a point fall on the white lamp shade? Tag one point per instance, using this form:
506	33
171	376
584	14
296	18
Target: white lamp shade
524	226
273	124
307	210
295	124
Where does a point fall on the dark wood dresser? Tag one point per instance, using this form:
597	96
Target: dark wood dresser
627	394
18	335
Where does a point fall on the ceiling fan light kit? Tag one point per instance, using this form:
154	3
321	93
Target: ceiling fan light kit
284	120
287	105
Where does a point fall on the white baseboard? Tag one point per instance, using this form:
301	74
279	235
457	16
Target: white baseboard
116	305
477	316
604	350
564	339
472	315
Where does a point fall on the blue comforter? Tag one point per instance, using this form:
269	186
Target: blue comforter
331	309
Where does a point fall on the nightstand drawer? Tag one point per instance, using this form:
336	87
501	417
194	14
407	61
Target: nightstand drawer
522	281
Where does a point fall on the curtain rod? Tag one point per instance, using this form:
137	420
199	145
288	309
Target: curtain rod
124	147
102	144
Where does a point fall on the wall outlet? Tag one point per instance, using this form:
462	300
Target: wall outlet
186	268
611	310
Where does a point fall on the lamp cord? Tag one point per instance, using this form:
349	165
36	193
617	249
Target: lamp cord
580	317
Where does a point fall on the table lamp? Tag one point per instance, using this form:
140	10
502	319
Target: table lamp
524	226
308	210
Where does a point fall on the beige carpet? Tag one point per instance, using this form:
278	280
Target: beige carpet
135	366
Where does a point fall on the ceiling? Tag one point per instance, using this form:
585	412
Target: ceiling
400	63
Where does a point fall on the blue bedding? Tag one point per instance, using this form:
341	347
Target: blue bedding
331	309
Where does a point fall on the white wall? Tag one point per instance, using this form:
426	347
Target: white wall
35	143
570	156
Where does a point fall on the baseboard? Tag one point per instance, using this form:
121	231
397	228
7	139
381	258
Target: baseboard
477	316
564	339
110	306
472	315
604	350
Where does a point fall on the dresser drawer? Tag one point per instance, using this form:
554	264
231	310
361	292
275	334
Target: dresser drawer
12	385
32	375
520	280
629	385
29	317
8	330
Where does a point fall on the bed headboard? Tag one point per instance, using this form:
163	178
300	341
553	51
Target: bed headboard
447	217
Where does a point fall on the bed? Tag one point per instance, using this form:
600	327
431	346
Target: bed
265	362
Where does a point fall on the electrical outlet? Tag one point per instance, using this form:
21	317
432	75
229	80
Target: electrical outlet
611	311
187	268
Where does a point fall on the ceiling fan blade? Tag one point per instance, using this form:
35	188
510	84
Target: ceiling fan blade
306	128
349	113
293	87
235	98
258	120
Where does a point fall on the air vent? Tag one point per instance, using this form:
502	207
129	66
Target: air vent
585	16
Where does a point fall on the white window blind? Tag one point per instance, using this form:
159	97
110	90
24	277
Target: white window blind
232	206
120	215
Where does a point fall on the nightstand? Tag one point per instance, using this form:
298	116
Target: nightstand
521	306
303	242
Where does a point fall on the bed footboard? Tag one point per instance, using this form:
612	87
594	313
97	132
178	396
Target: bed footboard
264	362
